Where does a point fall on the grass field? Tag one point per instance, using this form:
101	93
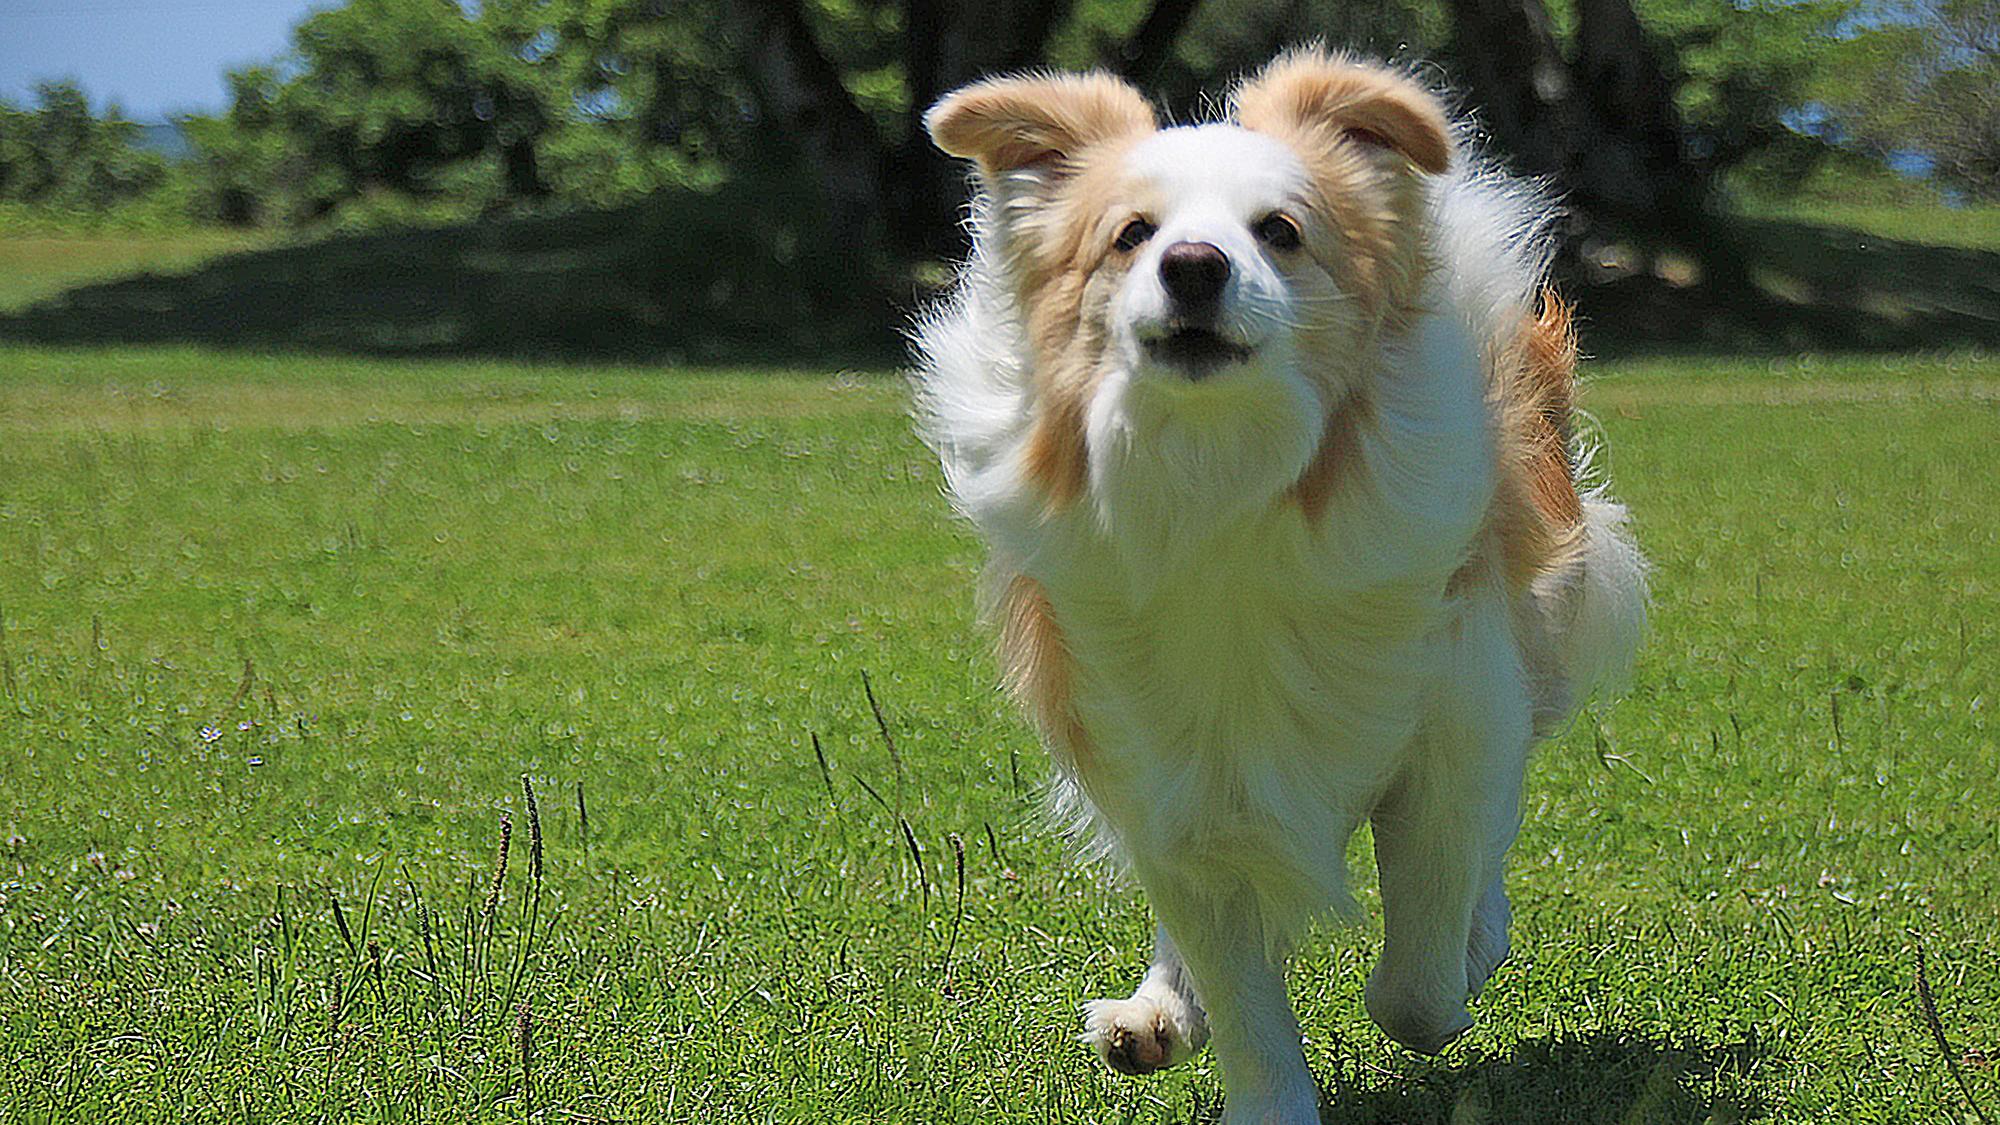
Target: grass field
283	635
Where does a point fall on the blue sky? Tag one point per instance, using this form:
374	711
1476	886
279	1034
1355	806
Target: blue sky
155	57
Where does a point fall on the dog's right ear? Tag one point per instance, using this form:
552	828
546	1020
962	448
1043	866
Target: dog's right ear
1039	123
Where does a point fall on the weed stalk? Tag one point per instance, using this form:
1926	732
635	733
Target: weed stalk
1927	1004
888	740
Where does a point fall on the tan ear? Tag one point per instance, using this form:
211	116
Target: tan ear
1006	124
1327	99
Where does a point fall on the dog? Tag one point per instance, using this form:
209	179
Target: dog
1266	423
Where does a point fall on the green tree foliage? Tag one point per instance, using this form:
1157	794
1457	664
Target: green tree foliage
1923	76
61	155
399	110
243	164
1744	66
392	111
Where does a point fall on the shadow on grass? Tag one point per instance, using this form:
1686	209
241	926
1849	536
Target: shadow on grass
736	276
1601	1079
748	275
1789	287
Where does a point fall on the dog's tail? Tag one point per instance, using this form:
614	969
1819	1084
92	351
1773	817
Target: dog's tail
1596	599
1601	615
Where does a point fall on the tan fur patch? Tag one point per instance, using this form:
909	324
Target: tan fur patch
1347	103
1549	379
1065	278
1537	516
1071	133
1058	459
1036	665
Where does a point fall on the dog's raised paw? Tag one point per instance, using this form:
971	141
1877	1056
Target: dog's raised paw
1142	1034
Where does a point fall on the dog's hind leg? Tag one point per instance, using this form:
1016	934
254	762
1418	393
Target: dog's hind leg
1160	1025
1440	835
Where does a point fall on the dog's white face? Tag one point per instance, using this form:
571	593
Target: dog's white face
1199	301
1216	256
1202	401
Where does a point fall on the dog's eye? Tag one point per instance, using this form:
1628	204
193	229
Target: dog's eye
1133	234
1278	231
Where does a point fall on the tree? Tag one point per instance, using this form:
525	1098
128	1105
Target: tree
401	109
1923	77
244	166
395	95
61	154
391	110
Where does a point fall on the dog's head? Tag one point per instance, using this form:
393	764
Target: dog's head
1200	301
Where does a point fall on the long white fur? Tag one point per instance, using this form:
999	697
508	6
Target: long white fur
1255	687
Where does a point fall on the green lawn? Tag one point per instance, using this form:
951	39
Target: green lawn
282	636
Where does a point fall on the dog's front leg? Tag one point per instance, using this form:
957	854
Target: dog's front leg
1221	942
1441	837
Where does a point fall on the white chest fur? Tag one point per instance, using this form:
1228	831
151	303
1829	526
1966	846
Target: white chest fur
1249	681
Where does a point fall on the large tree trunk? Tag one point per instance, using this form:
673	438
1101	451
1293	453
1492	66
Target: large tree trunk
901	192
1635	163
802	98
1601	124
521	171
938	51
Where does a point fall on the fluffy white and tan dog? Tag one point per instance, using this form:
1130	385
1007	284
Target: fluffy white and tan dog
1266	422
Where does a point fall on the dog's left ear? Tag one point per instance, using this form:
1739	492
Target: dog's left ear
1324	100
1038	123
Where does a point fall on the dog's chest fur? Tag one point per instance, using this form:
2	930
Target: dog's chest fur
1247	687
1247	705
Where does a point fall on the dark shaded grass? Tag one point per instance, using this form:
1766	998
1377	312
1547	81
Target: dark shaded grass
744	274
752	275
1790	285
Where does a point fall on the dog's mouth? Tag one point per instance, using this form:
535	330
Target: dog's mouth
1198	352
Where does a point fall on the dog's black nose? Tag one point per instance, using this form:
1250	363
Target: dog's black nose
1194	273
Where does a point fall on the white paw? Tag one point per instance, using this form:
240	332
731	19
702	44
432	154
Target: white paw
1143	1033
